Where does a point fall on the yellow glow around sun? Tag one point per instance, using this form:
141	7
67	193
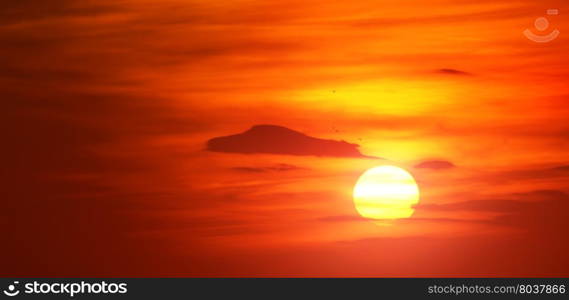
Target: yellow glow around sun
386	96
386	192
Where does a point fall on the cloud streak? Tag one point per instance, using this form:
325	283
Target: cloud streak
435	165
274	168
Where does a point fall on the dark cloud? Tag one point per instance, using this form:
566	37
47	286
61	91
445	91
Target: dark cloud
542	212
532	211
538	218
525	256
561	169
275	168
25	10
503	206
541	195
453	72
529	174
435	165
275	139
509	203
342	218
357	218
65	179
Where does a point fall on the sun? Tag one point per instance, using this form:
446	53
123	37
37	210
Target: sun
386	192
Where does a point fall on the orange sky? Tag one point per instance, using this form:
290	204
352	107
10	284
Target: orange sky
109	105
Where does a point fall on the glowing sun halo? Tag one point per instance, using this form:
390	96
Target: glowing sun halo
386	192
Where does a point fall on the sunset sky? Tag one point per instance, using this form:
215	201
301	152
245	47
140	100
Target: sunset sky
108	107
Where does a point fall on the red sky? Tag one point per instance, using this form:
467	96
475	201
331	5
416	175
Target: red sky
109	105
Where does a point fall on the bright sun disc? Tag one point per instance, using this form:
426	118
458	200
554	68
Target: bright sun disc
386	192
